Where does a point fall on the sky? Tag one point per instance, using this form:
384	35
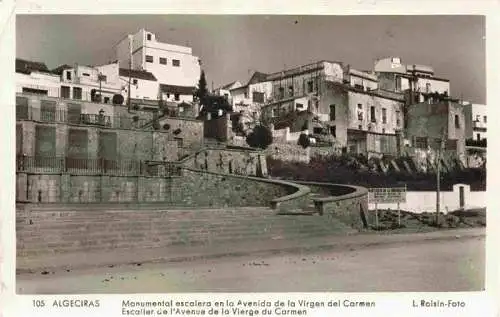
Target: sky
231	47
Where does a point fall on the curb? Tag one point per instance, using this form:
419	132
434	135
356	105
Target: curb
261	252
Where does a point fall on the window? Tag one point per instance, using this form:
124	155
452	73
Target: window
258	96
290	91
177	97
86	74
149	59
360	106
134	81
45	144
299	106
457	122
332	112
245	95
384	115
48	110
478	136
68	75
421	143
478	118
484	119
35	91
176	62
360	115
372	114
106	99
428	88
317	130
398	83
398	120
383	131
309	86
360	127
77	93
163	61
148	36
65	92
179	142
281	92
333	131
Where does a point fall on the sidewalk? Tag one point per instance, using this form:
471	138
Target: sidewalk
75	261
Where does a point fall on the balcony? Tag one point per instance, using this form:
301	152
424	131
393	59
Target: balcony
479	125
95	119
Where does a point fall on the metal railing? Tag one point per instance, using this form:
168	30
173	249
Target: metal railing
85	166
59	115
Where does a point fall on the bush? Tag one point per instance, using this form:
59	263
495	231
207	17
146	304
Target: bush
118	99
304	140
260	137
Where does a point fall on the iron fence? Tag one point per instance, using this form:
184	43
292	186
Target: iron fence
99	166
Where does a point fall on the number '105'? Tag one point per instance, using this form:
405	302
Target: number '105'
38	303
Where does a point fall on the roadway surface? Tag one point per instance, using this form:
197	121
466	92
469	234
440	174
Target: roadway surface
432	265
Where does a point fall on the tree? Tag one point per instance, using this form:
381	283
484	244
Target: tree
118	99
261	137
202	91
304	140
212	104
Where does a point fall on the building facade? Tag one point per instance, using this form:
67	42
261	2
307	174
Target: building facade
175	67
476	121
417	81
334	102
430	124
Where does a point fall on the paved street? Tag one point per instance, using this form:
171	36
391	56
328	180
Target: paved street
434	265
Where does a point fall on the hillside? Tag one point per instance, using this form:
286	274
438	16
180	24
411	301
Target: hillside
340	169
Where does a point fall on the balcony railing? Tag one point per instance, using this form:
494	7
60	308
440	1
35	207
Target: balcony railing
97	166
92	119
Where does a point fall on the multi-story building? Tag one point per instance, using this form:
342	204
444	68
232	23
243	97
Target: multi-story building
247	100
35	78
431	123
476	119
341	102
417	81
175	67
66	144
225	91
89	83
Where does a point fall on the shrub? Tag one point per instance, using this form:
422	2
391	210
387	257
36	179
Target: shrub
260	137
118	99
304	140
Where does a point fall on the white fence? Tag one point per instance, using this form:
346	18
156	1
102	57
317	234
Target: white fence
449	200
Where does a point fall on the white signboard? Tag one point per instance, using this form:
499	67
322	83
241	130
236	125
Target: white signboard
392	195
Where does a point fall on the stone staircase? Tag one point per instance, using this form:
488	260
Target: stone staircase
47	230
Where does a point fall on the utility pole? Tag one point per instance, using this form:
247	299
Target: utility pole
129	71
438	175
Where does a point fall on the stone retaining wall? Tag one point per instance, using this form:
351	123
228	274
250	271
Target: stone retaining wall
345	202
204	188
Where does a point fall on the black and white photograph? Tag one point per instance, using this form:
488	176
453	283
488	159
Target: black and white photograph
247	153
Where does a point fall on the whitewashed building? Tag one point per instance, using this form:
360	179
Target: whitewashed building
394	75
476	121
36	78
175	67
